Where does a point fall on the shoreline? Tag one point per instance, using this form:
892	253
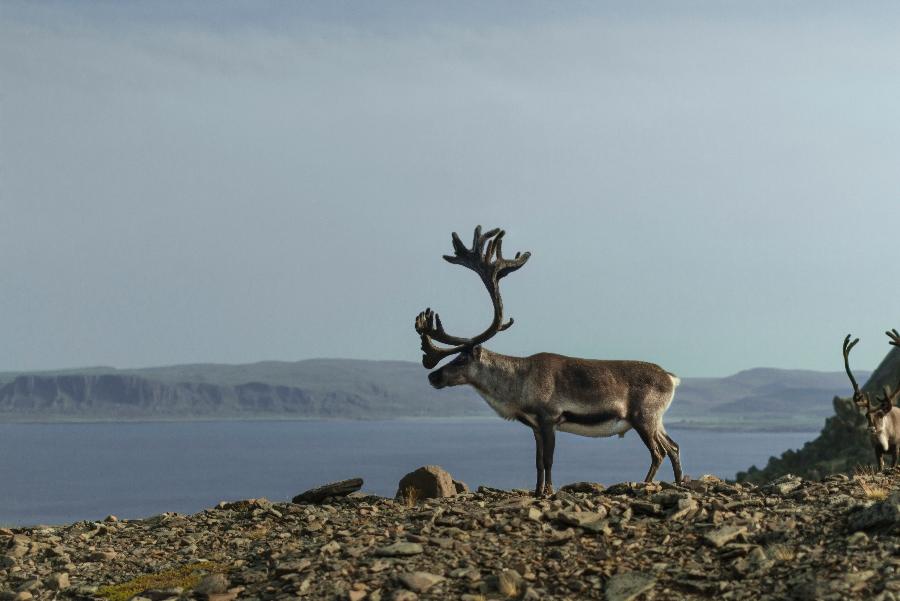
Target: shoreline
675	425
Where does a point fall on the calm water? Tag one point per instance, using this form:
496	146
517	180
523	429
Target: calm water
55	473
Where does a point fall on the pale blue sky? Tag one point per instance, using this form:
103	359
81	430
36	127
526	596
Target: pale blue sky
711	188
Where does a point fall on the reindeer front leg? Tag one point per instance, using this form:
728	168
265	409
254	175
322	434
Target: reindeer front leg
879	457
548	435
538	461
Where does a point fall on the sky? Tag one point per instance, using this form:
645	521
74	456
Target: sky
708	186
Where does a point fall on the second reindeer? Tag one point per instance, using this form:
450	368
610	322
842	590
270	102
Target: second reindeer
548	392
882	418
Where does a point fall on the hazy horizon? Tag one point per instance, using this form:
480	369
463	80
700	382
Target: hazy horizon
708	187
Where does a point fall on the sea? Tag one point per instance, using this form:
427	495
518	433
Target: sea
64	472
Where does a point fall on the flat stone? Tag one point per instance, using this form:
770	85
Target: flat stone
400	549
341	488
583	487
420	581
29	585
627	586
724	535
784	485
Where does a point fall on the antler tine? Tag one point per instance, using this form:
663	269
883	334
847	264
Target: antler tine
894	336
848	346
428	322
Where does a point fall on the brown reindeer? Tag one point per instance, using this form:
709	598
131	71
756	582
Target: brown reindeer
548	392
882	418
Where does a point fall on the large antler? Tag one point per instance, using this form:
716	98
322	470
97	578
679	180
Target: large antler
858	395
486	259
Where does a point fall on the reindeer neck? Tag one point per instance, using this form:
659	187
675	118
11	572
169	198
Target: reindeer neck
498	375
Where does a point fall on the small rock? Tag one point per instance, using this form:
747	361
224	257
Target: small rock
23	596
404	595
212	584
58	581
102	556
461	487
580	518
857	539
627	586
430	482
400	549
355	595
333	489
110	518
420	581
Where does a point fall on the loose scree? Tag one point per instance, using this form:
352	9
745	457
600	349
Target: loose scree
548	392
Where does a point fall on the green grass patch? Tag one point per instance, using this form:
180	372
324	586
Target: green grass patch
186	577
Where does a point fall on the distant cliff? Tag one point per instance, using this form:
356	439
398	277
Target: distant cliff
346	389
343	388
843	443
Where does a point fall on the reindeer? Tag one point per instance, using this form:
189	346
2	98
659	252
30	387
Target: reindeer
548	392
883	418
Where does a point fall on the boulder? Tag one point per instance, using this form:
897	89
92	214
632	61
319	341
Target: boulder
333	489
430	482
884	515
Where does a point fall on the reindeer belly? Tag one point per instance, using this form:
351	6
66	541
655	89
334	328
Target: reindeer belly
609	427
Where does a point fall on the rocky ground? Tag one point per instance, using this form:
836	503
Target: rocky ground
790	539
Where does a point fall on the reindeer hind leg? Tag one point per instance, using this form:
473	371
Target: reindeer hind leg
657	451
674	453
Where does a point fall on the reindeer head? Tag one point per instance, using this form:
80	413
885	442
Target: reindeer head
486	259
875	414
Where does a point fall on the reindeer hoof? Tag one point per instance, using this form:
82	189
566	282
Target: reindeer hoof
548	490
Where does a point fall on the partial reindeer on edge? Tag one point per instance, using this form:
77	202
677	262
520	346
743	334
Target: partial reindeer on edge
548	392
883	418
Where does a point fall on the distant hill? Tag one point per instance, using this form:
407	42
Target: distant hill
355	389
